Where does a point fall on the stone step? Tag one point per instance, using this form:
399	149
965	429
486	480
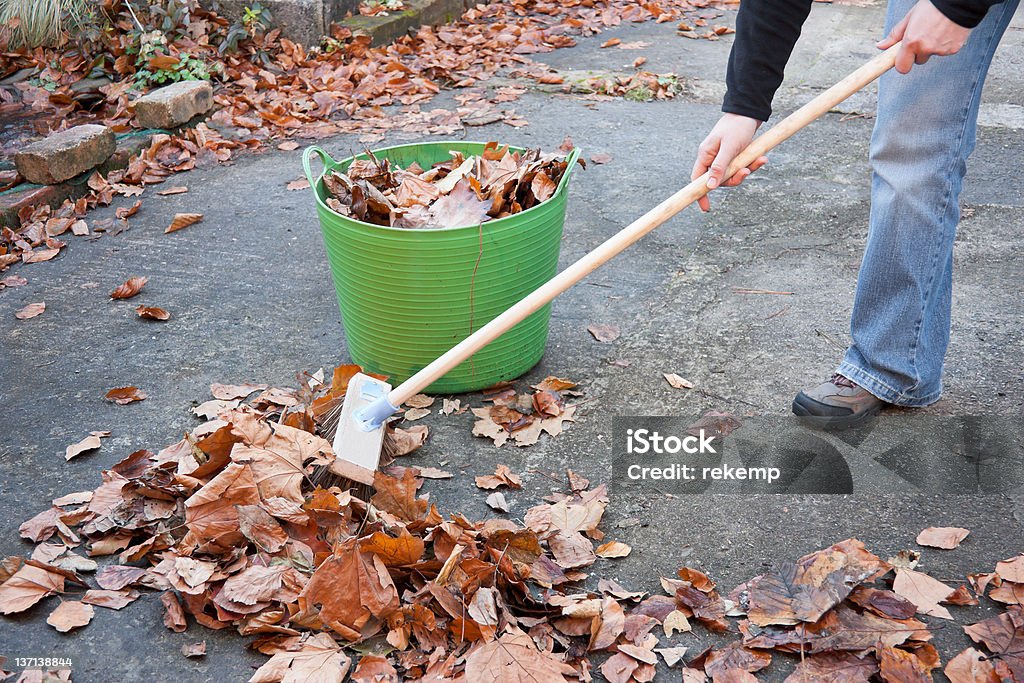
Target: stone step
65	154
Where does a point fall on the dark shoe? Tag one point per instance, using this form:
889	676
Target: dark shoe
836	404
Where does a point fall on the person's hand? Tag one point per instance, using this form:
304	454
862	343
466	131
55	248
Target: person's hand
729	137
925	31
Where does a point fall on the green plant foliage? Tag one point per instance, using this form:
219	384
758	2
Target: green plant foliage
255	20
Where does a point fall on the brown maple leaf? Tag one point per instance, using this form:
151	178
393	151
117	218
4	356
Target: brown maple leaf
514	658
351	590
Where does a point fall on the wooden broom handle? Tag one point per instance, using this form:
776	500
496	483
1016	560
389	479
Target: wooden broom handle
640	227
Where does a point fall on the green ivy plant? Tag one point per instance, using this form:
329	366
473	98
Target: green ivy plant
188	68
153	45
255	20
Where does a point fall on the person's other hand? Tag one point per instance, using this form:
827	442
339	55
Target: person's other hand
729	137
925	31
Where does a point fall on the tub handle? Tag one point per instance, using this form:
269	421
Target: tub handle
307	159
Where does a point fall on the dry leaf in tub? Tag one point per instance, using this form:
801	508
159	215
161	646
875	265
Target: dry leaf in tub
30	311
414	191
543	187
461	207
183	220
130	288
124	395
152	313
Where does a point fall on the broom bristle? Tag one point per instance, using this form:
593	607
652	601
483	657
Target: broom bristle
323	476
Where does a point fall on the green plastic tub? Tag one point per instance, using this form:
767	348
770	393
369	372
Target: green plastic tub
407	296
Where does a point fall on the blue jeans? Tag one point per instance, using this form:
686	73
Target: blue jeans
924	132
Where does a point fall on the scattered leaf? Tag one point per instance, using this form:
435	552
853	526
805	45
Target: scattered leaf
604	333
129	211
125	395
502	476
69	615
946	538
613	549
497	501
130	288
30	311
177	189
183	220
152	313
89	443
677	382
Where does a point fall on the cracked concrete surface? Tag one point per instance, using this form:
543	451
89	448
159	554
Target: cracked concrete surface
252	301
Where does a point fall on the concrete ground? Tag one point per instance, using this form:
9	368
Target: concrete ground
252	301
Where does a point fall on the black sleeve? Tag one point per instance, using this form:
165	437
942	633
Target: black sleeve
967	13
766	31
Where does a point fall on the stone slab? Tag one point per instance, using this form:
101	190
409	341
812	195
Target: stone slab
174	105
65	154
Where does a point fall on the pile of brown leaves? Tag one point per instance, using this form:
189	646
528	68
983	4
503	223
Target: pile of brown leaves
230	527
236	527
522	417
459	192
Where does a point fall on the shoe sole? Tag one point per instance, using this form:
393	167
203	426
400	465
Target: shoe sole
832	422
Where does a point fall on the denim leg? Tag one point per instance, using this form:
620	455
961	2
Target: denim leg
924	132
